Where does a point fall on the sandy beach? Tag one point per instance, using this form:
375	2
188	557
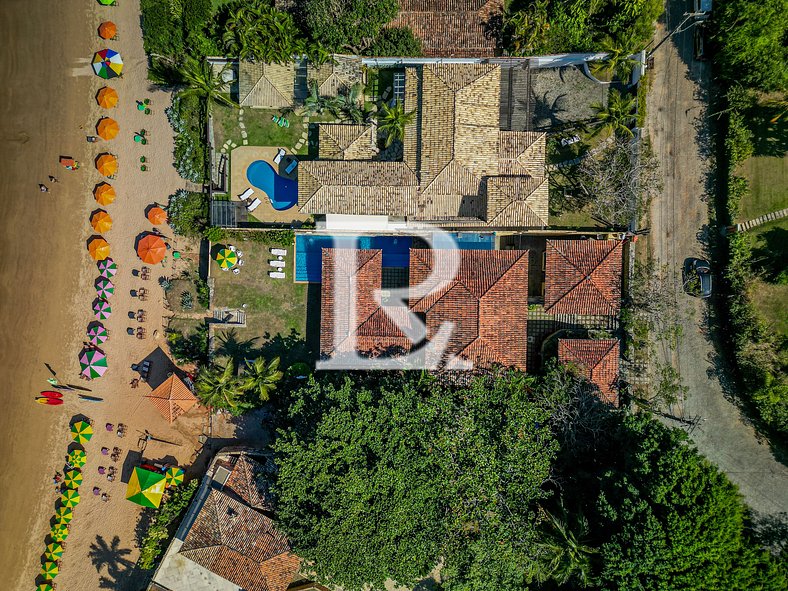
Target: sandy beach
48	107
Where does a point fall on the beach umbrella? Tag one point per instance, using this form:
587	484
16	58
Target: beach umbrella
93	363
102	310
64	515
108	268
104	288
101	222
69	498
107	30
72	479
98	334
107	2
145	488
107	128
226	258
81	432
104	193
107	164
173	476
44	587
98	248
156	216
107	97
49	570
59	533
77	458
53	551
151	249
107	63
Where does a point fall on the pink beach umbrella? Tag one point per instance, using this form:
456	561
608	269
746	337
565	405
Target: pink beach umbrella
108	268
98	334
104	288
93	363
102	309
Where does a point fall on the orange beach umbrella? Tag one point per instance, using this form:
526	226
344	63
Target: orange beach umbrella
104	193
107	30
107	164
107	97
151	249
107	128
156	216
99	249
101	222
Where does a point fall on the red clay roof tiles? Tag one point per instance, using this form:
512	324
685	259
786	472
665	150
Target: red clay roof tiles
597	360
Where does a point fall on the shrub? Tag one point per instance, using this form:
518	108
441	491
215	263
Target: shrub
188	213
161	525
187	302
395	42
187	118
165	284
203	291
161	32
192	348
214	234
738	141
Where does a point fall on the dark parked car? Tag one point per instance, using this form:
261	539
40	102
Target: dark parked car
697	277
700	43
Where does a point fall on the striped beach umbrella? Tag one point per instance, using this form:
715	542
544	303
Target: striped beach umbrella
98	334
81	432
44	587
98	248
107	97
64	515
104	288
108	268
145	488
53	551
92	363
49	570
226	258
173	476
104	193
70	498
107	64
59	533
77	458
102	310
72	479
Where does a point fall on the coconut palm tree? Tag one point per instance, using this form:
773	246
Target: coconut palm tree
314	103
618	62
200	81
346	105
617	116
261	377
392	121
219	387
561	555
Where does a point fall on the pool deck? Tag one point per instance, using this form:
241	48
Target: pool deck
240	159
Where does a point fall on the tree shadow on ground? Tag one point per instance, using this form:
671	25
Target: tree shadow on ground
237	350
122	573
771	531
770	128
771	252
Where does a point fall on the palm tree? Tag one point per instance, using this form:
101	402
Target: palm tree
617	116
261	377
346	105
392	121
618	62
314	103
561	554
219	387
200	81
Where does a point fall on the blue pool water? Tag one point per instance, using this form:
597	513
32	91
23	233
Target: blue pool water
309	255
282	192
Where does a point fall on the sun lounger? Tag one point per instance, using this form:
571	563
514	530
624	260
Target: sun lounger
277	264
253	205
292	166
279	155
246	194
278	252
276	274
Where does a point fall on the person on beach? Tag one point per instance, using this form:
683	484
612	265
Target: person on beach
43	188
52	179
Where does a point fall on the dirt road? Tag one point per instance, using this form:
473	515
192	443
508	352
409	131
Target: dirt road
679	224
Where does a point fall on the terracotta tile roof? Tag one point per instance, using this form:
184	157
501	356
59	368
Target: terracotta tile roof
347	142
241	545
268	86
337	76
597	360
172	398
457	162
248	480
487	302
583	277
450	28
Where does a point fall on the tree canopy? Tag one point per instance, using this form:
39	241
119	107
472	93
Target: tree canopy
346	25
395	42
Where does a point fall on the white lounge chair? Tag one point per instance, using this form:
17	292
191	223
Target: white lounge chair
253	205
277	264
276	274
278	252
292	166
279	155
246	194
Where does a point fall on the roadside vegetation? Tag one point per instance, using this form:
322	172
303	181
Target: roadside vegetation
752	56
163	523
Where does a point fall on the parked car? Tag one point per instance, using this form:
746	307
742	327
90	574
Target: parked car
700	43
696	277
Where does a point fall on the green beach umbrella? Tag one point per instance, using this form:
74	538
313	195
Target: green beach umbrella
54	551
64	515
77	458
49	570
145	488
107	2
72	479
81	432
70	498
226	258
173	476
59	533
92	363
44	587
104	288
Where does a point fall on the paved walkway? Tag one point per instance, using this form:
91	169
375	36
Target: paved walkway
769	217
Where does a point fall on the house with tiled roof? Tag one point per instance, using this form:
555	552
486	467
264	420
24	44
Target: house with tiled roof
266	86
597	360
458	168
479	297
583	277
172	398
347	142
451	28
336	76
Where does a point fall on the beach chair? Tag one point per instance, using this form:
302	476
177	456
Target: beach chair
278	252
277	264
276	274
292	166
246	194
279	155
254	204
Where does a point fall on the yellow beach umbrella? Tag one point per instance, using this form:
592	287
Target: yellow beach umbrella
145	488
107	128
49	570
81	432
101	222
77	458
70	498
64	515
173	476
59	533
98	249
226	258
45	587
72	479
107	97
107	164
54	551
104	193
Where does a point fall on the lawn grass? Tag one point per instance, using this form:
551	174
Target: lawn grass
770	253
185	326
770	300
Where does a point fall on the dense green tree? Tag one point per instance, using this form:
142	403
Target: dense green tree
261	377
562	554
256	30
315	103
395	42
200	81
219	388
346	25
618	115
392	121
752	42
161	33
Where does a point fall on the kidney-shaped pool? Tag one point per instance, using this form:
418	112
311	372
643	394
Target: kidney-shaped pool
282	192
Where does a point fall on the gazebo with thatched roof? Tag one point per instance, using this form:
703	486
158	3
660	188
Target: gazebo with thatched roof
172	398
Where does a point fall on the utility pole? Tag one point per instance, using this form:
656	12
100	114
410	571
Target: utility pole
687	16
